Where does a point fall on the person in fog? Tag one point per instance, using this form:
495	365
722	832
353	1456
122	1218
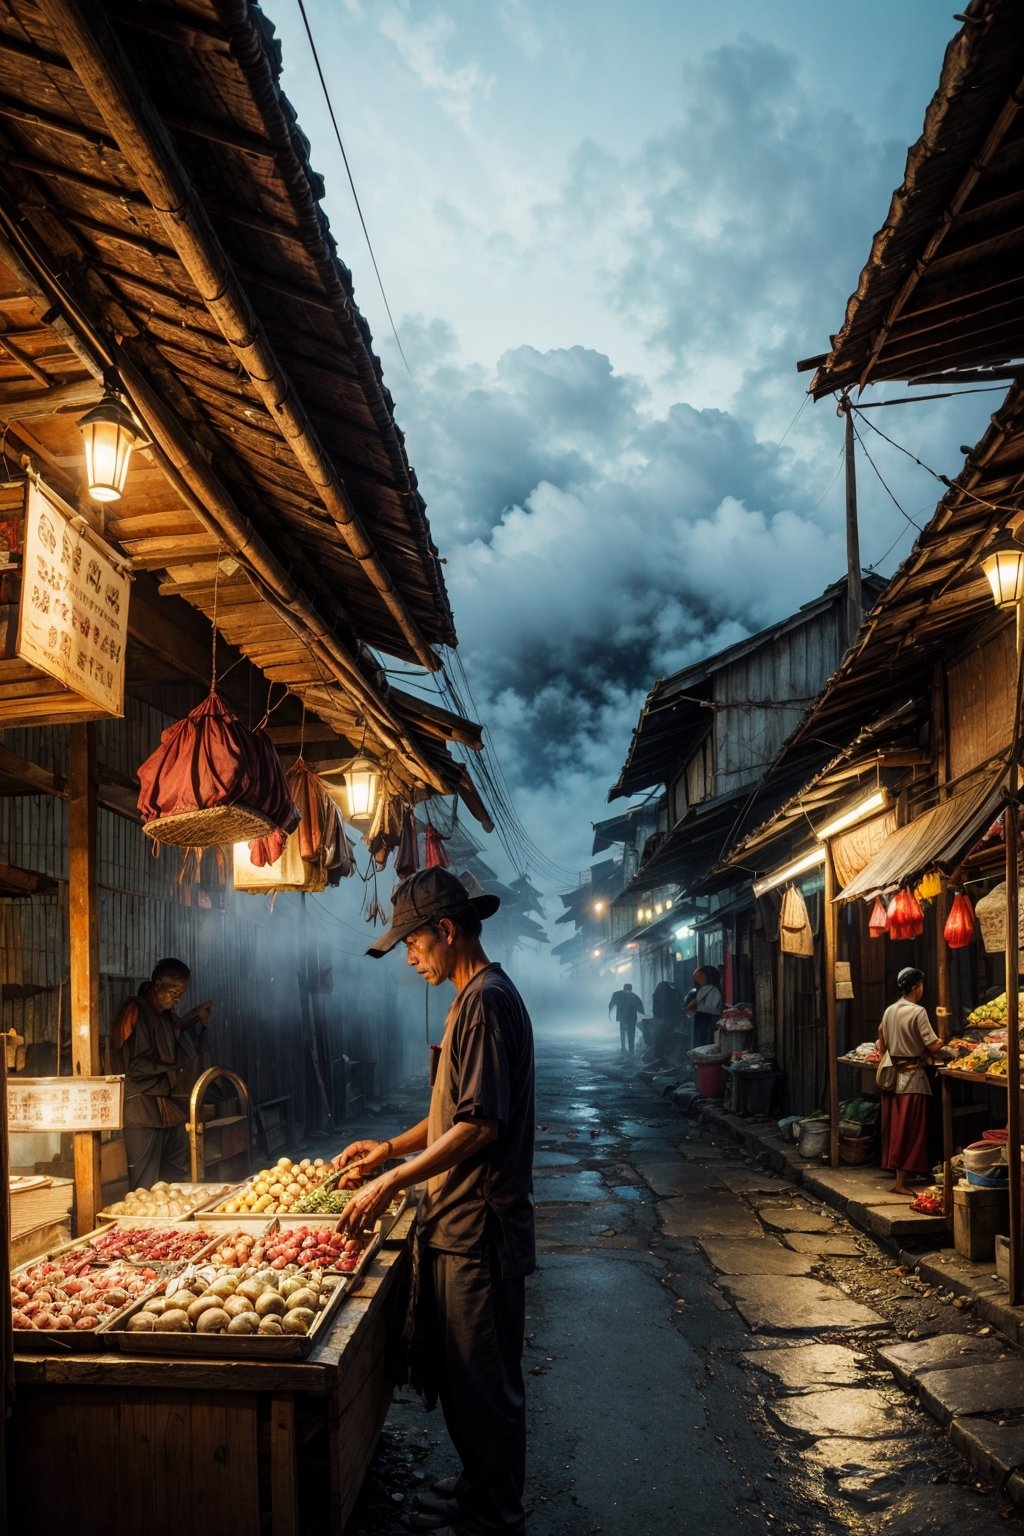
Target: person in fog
156	1051
705	1004
475	1241
628	1008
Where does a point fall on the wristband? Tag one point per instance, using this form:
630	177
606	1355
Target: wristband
389	1151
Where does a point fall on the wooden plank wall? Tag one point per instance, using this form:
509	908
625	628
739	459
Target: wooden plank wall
980	703
748	735
250	958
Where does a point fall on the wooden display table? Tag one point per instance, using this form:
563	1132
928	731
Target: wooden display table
168	1446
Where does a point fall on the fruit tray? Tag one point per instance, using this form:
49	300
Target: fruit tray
162	1245
279	1178
280	1245
190	1198
39	1286
243	1345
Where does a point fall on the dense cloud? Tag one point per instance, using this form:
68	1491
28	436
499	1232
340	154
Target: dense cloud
615	509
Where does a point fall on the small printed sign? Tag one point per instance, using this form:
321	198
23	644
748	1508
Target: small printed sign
73	619
65	1103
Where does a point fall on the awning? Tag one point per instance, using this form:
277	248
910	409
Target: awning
940	839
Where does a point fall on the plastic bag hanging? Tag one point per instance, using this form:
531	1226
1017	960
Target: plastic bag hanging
906	915
959	929
878	922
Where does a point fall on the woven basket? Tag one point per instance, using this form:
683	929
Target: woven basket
990	916
210	828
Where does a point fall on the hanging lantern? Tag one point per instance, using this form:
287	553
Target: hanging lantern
110	432
1004	570
878	922
355	789
959	929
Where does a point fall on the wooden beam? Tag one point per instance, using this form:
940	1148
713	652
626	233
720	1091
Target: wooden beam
30	405
34	779
84	951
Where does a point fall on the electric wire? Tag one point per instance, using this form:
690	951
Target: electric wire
352	185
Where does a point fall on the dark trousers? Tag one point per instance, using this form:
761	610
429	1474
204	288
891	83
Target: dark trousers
478	1321
153	1153
627	1035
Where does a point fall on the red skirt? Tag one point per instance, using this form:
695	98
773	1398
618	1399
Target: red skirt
905	1132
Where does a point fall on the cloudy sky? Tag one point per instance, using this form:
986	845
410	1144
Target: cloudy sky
607	232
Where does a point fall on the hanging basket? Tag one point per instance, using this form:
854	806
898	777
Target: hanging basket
215	826
990	915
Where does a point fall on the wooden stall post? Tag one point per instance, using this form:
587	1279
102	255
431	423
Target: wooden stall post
84	946
831	927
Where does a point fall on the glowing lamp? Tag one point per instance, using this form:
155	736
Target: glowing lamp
110	432
355	793
1004	571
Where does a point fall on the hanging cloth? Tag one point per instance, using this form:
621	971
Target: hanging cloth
436	855
385	830
407	858
212	780
795	934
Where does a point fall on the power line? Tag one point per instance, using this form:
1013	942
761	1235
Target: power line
351	182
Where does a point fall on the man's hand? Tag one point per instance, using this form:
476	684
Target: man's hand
355	1150
366	1205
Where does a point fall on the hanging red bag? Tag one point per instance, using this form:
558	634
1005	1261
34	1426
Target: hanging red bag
878	922
906	915
959	929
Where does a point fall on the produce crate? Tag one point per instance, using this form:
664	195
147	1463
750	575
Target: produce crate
74	1340
201	1195
978	1214
226	1346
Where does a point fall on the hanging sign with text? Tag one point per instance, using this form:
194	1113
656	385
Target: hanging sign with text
73	619
65	1103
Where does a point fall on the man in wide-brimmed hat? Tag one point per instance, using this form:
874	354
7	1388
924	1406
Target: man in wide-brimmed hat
475	1231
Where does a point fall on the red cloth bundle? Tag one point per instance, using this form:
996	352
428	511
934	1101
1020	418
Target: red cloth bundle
437	855
209	759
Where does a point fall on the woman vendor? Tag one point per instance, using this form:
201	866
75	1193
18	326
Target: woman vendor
907	1037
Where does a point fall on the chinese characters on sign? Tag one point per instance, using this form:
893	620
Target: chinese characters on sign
65	1103
73	622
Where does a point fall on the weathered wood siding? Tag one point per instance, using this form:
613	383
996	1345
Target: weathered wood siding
751	721
980	703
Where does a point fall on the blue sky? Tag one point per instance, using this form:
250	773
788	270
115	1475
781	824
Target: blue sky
607	232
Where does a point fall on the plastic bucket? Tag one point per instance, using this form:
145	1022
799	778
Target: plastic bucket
711	1080
813	1138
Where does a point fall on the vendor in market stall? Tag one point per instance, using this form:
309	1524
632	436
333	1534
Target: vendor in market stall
156	1051
905	1041
475	1234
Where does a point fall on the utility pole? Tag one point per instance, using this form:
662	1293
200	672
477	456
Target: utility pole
854	596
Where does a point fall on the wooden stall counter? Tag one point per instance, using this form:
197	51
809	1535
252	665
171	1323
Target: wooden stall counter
170	1445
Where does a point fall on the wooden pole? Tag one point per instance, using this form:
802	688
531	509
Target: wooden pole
1011	828
854	594
84	931
831	934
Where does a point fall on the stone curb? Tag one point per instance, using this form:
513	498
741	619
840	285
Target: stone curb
995	1451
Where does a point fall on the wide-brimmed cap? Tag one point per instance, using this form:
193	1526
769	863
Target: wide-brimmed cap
423	898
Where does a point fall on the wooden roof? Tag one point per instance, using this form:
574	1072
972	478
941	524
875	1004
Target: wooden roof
158	214
942	295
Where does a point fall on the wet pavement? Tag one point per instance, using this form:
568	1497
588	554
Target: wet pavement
707	1343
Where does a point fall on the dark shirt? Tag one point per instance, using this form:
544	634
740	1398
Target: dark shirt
628	1007
666	1003
485	1072
144	1046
